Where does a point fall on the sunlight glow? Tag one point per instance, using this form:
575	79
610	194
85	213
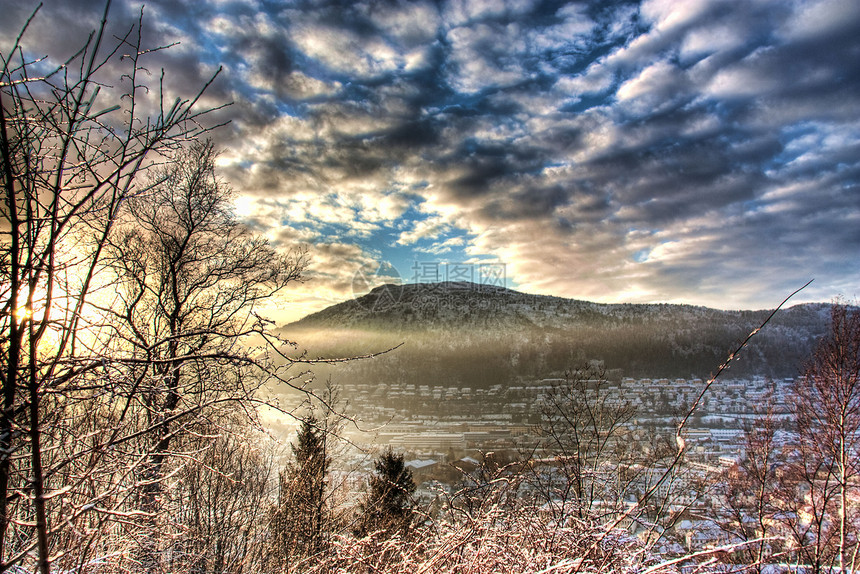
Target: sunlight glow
22	314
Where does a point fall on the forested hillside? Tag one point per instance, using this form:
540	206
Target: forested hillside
479	336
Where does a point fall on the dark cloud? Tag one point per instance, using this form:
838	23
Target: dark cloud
569	139
416	134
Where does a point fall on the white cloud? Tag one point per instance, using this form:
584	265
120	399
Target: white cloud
668	15
669	21
440	248
412	24
653	80
484	56
744	79
708	39
460	12
346	52
820	19
655	194
575	29
429	228
596	78
295	85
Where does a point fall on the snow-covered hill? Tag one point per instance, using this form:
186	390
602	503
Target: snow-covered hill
467	305
517	334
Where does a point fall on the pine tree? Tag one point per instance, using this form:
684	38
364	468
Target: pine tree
299	521
388	507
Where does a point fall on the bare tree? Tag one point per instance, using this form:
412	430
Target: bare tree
797	496
749	508
585	443
219	502
68	161
826	408
189	276
129	294
808	498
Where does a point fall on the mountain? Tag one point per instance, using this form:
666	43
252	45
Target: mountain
481	335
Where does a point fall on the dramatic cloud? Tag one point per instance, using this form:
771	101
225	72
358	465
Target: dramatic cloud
701	151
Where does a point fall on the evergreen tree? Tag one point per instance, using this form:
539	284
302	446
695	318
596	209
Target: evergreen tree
299	522
388	506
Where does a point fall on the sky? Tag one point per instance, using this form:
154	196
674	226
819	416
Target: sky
689	151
